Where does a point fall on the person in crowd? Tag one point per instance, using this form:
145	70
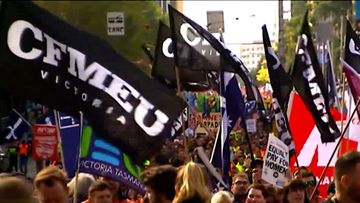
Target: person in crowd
191	185
310	180
271	195
99	192
23	154
331	190
256	167
240	183
299	171
347	179
84	182
134	196
117	190
15	189
13	157
50	185
295	192
256	193
160	183
222	197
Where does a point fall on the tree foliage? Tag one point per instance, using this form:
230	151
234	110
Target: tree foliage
262	75
141	23
318	11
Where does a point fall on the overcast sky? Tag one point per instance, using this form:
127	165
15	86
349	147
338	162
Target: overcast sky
243	19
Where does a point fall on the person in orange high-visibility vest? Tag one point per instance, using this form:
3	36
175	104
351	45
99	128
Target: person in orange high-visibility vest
23	153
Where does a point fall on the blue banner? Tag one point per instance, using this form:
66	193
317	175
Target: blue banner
100	157
97	156
70	141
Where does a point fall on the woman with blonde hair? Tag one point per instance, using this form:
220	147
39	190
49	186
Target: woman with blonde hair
191	185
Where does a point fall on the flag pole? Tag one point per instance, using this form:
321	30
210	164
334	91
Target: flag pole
336	147
342	108
178	85
350	104
57	123
78	158
21	117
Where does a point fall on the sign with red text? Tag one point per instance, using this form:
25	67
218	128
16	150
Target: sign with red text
45	142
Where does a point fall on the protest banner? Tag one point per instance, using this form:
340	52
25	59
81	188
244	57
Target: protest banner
210	122
276	162
44	142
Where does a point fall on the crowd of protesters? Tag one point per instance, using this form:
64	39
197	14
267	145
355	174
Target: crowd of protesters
188	183
176	174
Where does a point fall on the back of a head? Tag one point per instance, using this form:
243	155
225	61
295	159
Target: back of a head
98	186
161	179
346	164
222	197
84	182
191	183
15	190
50	174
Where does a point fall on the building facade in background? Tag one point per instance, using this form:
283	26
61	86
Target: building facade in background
251	53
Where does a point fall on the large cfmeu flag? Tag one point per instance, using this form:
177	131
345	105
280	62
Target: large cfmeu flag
51	62
309	83
232	107
192	40
163	67
351	64
16	126
281	85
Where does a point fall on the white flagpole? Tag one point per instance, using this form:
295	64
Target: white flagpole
78	158
57	123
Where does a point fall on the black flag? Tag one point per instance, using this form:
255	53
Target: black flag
309	83
187	34
49	61
164	65
351	65
352	48
281	85
279	78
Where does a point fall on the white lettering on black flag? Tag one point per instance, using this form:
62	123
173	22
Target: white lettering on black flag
309	83
50	62
276	162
